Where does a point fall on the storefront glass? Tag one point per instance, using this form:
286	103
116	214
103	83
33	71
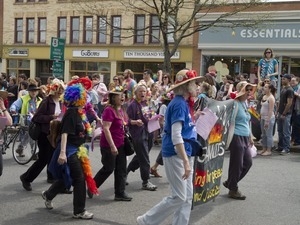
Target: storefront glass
81	69
18	66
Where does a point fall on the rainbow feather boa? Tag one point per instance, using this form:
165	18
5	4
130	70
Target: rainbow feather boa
82	154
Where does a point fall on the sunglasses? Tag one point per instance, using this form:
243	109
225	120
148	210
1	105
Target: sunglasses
249	89
268	52
267	81
165	77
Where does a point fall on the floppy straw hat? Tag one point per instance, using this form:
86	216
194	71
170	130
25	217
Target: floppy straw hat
184	76
3	94
118	90
241	88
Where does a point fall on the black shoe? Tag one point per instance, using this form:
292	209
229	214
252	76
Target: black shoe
123	197
26	185
50	180
67	191
225	184
89	194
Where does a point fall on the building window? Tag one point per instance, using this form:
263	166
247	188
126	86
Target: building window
154	29
18	66
18	30
171	25
30	30
139	29
74	30
101	30
30	0
62	27
42	28
18	1
116	29
88	30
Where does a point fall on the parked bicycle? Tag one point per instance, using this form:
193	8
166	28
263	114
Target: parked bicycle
23	147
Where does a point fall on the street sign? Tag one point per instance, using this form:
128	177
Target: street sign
57	50
58	69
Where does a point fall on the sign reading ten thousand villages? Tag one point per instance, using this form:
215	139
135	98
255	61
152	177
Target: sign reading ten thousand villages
57	53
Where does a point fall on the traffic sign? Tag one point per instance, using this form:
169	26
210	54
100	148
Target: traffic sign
58	69
57	50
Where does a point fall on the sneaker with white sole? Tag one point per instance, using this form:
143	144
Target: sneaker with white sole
85	215
48	203
140	220
149	186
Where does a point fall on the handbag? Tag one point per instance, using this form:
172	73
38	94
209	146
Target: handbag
128	144
34	130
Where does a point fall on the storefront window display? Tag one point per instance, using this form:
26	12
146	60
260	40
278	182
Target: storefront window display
139	67
18	66
80	68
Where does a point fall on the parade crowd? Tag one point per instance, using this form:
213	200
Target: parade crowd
69	113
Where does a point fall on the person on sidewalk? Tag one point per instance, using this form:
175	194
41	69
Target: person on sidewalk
284	115
267	119
296	111
240	160
177	154
114	119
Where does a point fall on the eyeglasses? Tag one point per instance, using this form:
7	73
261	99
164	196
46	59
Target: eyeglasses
267	81
115	79
165	77
268	52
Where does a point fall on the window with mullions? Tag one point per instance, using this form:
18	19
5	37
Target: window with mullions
101	29
18	1
74	36
30	30
62	27
42	28
116	29
18	66
139	29
154	29
88	30
18	30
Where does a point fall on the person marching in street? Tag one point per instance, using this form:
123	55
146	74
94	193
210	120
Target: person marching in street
114	120
49	109
284	114
240	160
296	112
177	154
139	114
70	164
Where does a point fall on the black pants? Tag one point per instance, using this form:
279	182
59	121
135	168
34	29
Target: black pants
240	160
44	157
142	146
78	182
116	164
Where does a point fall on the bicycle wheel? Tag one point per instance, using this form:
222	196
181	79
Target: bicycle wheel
24	148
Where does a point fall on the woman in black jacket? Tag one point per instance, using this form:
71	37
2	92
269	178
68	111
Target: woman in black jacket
49	109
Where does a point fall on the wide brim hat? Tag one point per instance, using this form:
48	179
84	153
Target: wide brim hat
32	87
55	85
184	76
86	82
241	88
118	90
3	94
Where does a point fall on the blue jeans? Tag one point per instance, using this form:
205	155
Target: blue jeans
267	134
284	132
296	128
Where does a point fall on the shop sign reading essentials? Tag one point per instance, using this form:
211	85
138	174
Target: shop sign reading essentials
90	53
209	167
148	54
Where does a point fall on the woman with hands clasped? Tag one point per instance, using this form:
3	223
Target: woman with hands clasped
267	120
177	154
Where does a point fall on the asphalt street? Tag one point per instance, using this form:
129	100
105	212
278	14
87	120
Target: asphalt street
271	186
